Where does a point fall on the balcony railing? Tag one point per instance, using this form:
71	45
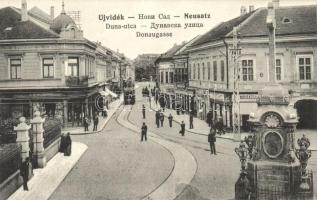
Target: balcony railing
76	81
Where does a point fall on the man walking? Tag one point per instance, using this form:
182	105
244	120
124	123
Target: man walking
143	111
170	120
157	119
86	123
212	140
191	119
161	118
182	131
96	121
143	132
24	170
209	118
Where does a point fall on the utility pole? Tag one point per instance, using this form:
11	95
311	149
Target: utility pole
235	54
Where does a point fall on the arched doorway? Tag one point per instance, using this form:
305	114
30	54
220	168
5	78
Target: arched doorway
307	113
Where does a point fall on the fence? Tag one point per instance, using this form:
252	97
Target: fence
10	159
52	131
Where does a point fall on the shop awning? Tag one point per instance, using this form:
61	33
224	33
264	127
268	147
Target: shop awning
111	93
104	93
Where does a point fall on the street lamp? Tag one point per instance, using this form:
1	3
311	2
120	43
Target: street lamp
242	152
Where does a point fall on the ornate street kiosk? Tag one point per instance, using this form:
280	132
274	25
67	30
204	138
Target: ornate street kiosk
272	170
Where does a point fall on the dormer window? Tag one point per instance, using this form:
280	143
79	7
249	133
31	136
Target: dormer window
286	20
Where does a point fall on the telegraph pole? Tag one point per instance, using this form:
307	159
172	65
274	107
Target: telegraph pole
235	54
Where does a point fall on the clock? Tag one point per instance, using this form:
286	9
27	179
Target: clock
272	120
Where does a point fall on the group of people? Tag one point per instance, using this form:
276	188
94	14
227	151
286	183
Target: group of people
216	124
95	123
66	144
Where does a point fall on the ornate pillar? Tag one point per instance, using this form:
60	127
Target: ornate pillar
22	130
38	140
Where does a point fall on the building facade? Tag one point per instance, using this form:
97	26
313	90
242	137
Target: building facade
211	71
49	66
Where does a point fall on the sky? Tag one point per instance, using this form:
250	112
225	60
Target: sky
125	40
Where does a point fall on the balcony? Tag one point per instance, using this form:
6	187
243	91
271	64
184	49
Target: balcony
76	81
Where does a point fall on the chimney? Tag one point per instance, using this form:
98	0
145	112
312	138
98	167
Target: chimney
251	8
276	3
24	11
270	22
52	12
243	10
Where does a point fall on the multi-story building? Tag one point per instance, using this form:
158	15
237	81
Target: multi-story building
211	65
46	64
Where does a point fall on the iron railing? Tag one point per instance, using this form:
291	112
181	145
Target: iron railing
10	160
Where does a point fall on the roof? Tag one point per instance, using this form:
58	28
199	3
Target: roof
170	53
61	21
40	14
11	27
221	30
303	21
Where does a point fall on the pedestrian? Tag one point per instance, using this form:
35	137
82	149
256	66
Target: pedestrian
68	144
144	132
209	118
86	123
62	146
191	119
182	131
96	121
143	111
162	119
24	172
212	140
220	127
157	118
170	120
150	101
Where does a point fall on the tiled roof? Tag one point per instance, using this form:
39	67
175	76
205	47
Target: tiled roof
302	21
221	30
40	14
11	27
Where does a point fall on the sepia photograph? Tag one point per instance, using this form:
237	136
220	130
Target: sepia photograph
158	99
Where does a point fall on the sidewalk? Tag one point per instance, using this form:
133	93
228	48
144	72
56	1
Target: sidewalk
46	180
113	106
201	128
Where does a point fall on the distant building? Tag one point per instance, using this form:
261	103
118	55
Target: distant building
46	64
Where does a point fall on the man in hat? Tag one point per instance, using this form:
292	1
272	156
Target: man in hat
170	120
212	140
144	132
182	131
143	111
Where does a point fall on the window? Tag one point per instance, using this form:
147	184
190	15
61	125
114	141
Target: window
222	70
247	70
189	71
166	77
208	66
194	72
162	77
278	67
215	70
171	77
304	65
48	68
198	69
15	68
73	66
203	64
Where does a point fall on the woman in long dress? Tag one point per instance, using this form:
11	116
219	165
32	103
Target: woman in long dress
68	142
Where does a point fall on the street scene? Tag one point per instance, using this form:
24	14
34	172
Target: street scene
216	103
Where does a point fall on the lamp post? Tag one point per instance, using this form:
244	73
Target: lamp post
242	152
